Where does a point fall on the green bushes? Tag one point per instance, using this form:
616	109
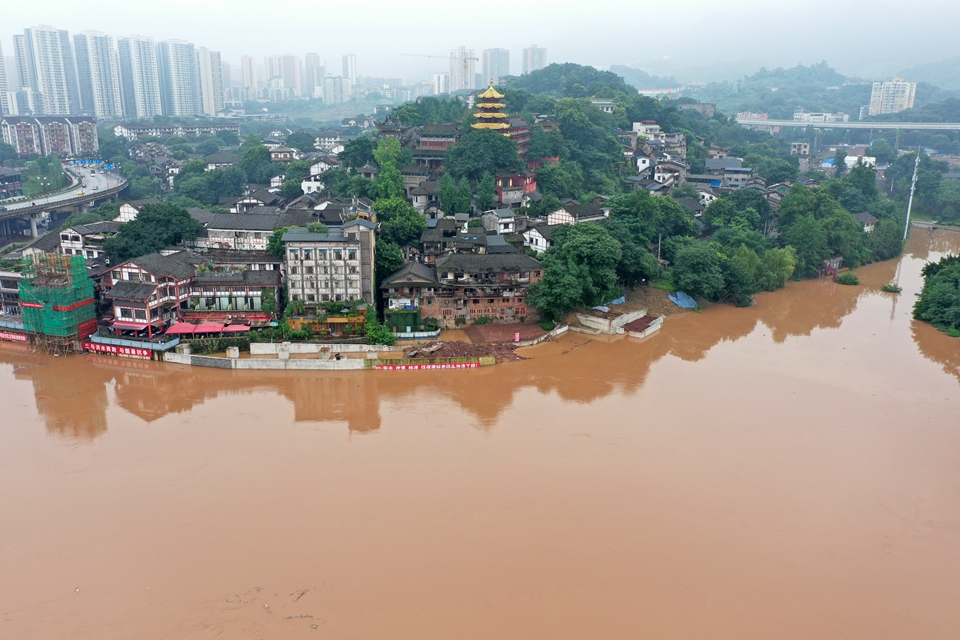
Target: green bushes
939	302
547	325
378	333
891	287
848	278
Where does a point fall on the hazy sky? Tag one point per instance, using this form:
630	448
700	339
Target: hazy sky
855	36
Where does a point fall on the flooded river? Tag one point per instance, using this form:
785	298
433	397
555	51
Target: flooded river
791	470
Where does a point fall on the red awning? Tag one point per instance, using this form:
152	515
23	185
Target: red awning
181	327
209	327
236	328
129	326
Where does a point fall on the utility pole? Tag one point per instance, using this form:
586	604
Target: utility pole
913	188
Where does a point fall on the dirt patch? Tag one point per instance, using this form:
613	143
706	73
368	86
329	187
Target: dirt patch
493	333
640	324
459	349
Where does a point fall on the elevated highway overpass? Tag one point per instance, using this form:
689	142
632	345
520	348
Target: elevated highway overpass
99	188
876	126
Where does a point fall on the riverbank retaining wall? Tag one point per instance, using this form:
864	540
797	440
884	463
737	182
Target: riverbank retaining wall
273	348
217	362
612	326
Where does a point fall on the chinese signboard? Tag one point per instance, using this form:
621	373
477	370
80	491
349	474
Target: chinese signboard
117	351
13	337
423	367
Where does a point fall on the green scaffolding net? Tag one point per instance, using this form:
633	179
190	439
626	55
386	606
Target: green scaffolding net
56	296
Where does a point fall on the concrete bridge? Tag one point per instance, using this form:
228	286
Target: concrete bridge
876	126
99	188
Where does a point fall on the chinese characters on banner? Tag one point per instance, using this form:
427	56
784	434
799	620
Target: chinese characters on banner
420	367
118	351
13	337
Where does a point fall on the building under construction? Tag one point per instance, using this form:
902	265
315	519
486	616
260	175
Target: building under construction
56	297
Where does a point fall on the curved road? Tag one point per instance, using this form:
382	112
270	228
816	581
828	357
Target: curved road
96	183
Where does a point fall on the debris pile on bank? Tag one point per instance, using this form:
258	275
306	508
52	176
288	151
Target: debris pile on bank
460	349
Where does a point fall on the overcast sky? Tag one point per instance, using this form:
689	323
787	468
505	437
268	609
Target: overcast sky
869	37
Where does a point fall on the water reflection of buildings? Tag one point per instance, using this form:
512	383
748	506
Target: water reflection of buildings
71	392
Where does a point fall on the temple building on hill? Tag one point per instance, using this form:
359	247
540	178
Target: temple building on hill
491	115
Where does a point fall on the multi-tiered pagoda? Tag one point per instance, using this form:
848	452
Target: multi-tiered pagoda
490	114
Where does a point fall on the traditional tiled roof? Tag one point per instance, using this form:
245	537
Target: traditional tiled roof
487	263
412	273
129	290
178	265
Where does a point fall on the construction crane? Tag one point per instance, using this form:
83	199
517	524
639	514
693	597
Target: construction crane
464	60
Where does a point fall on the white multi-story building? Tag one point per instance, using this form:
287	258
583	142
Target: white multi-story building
98	74
534	58
336	266
440	83
292	72
806	116
892	97
179	78
211	81
45	58
4	89
496	65
463	69
313	73
139	77
350	68
248	68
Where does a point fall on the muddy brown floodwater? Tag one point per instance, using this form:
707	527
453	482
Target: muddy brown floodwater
791	470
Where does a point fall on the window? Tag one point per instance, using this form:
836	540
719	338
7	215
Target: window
311	297
325	297
352	270
352	254
294	254
308	254
296	296
321	254
337	254
294	270
140	314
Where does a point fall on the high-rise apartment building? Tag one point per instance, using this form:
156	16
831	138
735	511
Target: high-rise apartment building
46	59
292	73
98	75
179	78
496	65
226	71
272	68
350	68
440	83
211	81
4	88
892	97
534	58
463	69
313	73
248	69
139	77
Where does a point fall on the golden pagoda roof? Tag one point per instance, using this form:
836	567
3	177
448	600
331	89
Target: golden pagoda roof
491	105
491	92
481	116
491	125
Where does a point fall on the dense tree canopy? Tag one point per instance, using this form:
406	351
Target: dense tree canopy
481	151
939	302
156	227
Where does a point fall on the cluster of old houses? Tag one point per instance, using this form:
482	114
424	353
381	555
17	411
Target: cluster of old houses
464	268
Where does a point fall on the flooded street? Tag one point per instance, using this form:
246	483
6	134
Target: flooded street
791	470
